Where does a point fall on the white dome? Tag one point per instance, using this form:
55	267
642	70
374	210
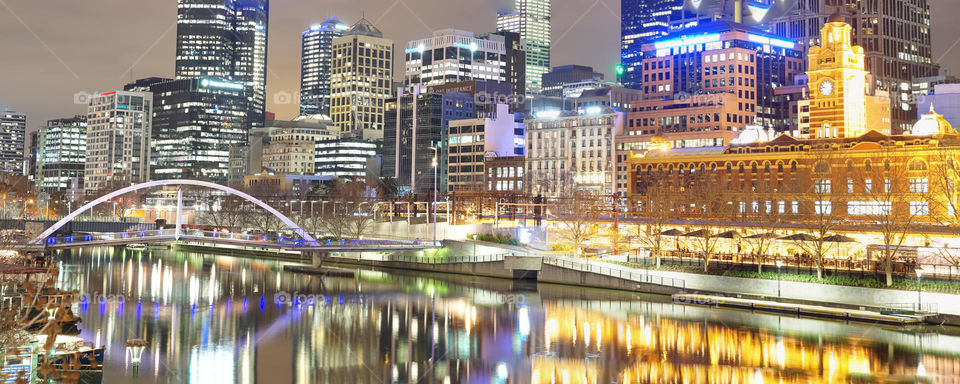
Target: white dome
754	134
931	123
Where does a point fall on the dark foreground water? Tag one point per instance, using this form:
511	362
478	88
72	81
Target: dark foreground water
218	319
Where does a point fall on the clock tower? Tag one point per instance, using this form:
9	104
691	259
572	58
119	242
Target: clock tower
838	83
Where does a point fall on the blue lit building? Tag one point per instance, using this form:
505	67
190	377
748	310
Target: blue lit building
644	21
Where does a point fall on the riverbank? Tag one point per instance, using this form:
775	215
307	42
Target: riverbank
607	275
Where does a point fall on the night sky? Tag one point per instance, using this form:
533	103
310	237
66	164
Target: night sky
51	50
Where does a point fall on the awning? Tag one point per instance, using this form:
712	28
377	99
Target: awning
799	237
730	235
768	235
839	239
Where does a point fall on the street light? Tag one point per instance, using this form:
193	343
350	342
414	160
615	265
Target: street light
919	291
779	265
474	247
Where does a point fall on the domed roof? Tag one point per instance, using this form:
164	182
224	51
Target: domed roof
836	17
931	123
754	134
659	142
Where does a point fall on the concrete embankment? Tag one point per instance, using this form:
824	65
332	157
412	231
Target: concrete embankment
946	305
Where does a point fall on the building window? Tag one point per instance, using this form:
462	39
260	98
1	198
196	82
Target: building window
823	207
920	185
919	208
822	186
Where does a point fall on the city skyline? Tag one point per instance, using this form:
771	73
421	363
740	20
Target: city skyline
152	45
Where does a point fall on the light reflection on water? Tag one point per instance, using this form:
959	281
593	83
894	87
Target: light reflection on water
216	319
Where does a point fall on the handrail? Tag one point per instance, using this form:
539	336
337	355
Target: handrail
621	273
254	239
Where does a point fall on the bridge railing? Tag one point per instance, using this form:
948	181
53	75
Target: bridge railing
252	239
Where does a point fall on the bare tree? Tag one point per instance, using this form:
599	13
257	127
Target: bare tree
768	212
708	207
944	175
576	212
816	196
896	196
657	209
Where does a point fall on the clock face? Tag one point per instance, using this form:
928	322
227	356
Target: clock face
826	88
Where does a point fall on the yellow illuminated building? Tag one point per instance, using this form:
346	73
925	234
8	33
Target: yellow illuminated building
838	84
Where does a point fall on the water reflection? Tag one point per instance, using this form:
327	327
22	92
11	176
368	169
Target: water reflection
217	319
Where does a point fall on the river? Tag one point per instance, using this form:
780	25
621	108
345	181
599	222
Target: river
223	319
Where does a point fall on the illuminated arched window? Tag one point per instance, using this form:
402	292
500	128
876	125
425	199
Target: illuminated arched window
917	165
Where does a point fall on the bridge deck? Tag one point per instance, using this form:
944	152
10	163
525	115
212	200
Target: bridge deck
246	240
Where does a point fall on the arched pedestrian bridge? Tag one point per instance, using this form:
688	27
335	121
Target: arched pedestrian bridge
302	241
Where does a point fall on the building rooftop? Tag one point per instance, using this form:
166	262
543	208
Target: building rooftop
695	151
364	28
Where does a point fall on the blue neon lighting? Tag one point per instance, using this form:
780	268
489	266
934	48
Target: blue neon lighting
687	41
772	41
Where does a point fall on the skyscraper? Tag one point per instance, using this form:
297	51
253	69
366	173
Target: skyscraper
61	154
361	71
895	36
315	66
642	21
225	39
13	127
118	140
531	19
201	120
416	123
516	61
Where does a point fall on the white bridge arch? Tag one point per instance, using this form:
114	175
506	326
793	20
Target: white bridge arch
159	183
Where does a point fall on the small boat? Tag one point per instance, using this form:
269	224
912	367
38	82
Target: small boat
136	247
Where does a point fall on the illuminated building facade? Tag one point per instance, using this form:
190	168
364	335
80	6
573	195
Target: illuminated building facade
471	141
118	140
569	152
315	54
504	174
838	84
895	36
452	56
61	154
195	124
343	158
531	19
416	123
553	82
788	185
13	127
703	86
226	39
361	81
516	60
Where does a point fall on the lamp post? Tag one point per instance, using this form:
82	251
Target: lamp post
474	247
779	265
435	149
919	291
